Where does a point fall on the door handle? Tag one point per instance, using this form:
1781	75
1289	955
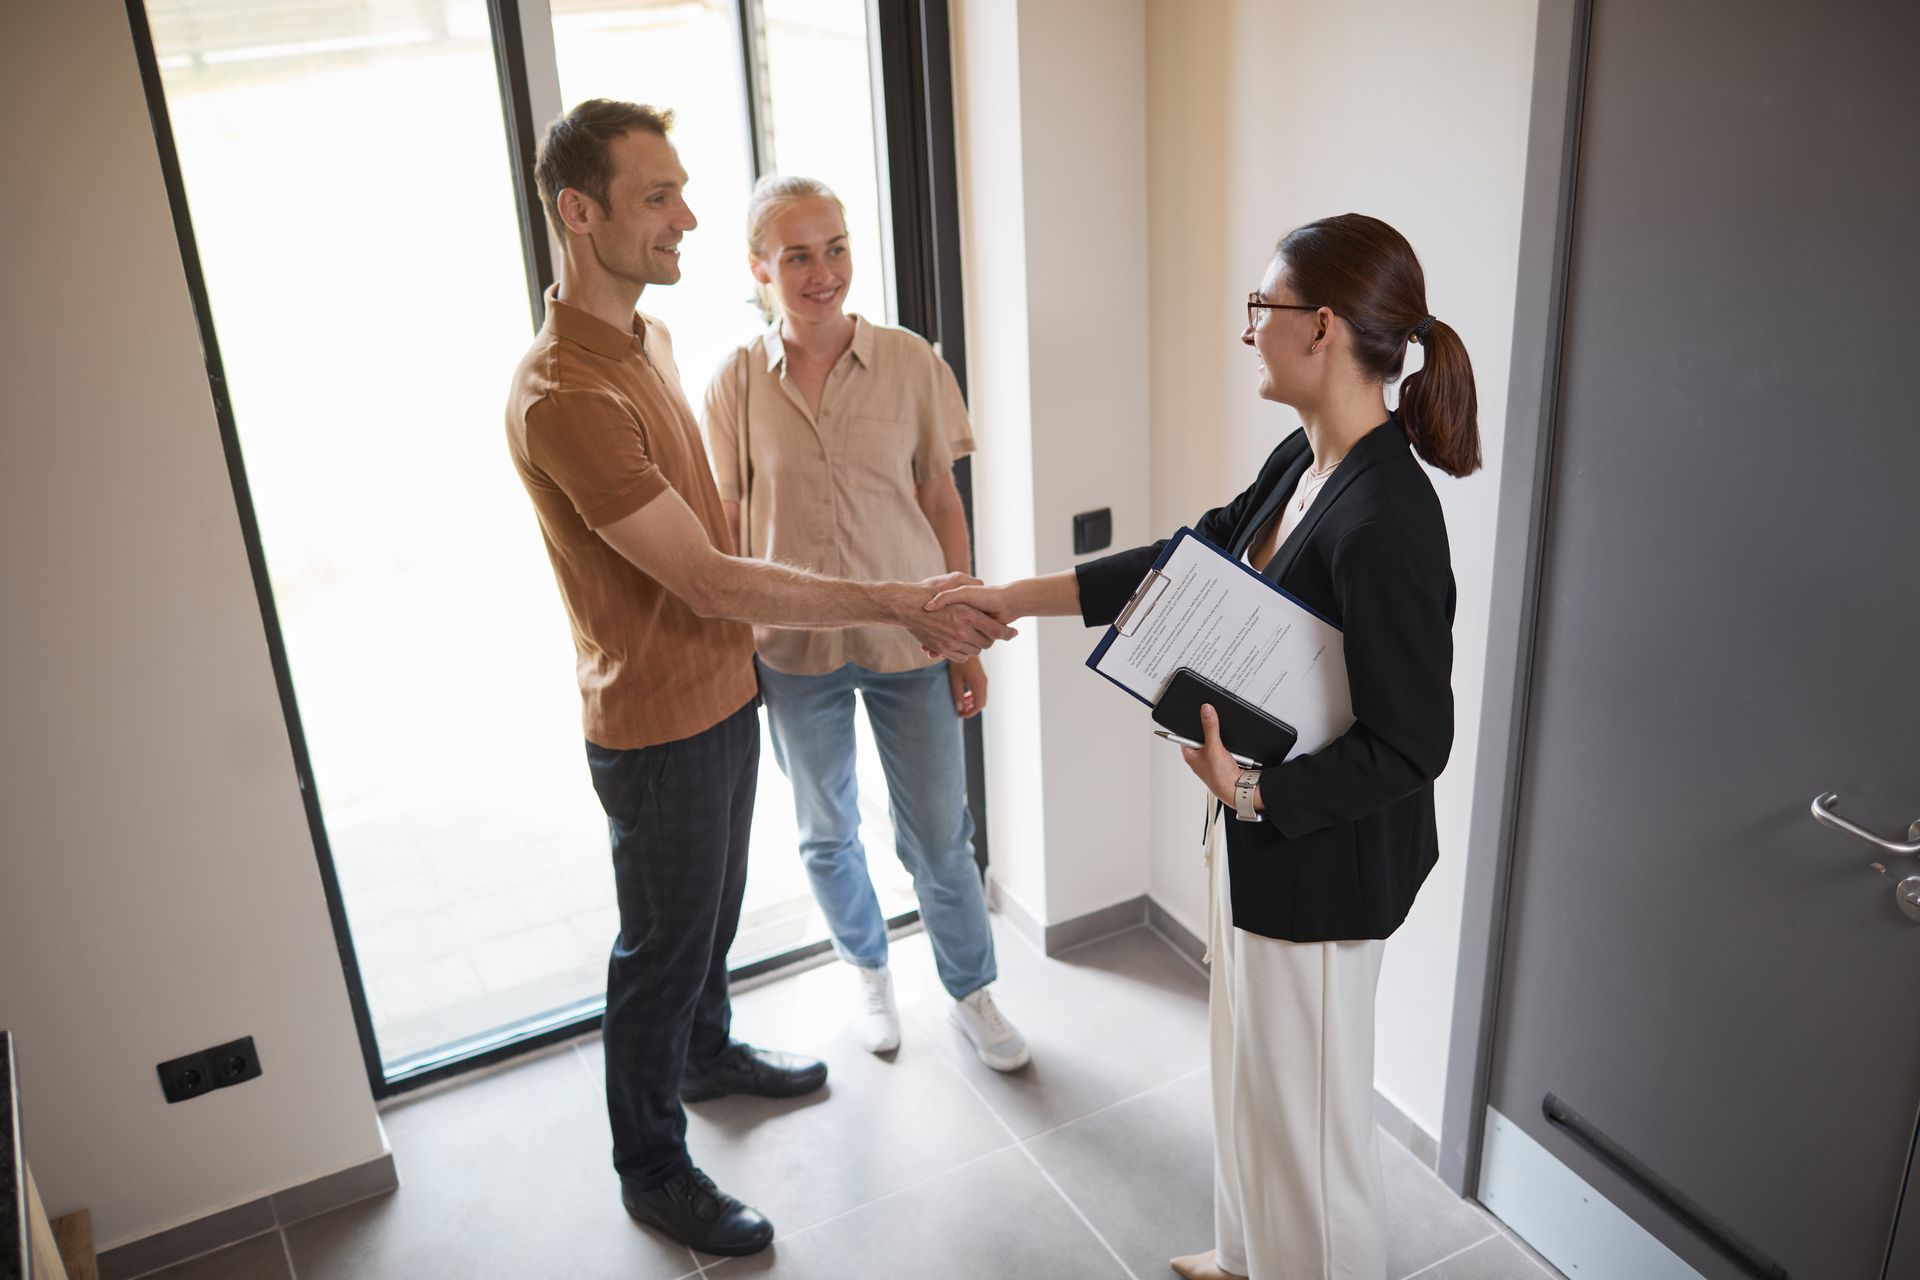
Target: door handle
1824	815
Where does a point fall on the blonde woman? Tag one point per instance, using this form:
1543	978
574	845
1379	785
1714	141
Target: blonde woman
833	442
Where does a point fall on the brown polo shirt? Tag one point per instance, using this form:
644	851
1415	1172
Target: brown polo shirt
836	492
598	428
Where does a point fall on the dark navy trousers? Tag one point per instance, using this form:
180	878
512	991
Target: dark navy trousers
679	815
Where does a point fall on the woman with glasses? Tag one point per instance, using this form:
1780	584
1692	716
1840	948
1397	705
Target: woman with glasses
1324	852
833	442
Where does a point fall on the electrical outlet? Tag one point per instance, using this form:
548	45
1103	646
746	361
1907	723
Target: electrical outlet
234	1063
228	1064
187	1077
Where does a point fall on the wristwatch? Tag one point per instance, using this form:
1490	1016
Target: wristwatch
1245	788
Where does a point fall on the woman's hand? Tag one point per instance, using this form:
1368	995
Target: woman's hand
969	681
1211	762
1055	596
992	601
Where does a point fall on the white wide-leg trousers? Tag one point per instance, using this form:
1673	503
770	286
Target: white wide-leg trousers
1297	1183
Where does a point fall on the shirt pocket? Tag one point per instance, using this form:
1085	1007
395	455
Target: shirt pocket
879	454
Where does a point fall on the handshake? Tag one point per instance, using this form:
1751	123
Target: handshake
953	616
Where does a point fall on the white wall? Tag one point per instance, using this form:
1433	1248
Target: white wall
1050	116
158	889
1251	116
1264	114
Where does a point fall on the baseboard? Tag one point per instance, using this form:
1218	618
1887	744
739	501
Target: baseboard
1406	1131
1094	925
1006	905
1186	942
1065	935
244	1221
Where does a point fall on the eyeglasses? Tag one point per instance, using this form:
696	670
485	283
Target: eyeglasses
1256	304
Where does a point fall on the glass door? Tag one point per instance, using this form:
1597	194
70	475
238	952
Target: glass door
347	173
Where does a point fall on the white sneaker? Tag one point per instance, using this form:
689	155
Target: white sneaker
879	1016
994	1038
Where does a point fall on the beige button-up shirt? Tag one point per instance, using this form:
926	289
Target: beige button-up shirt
836	493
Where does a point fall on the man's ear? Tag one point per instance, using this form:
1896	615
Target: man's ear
577	210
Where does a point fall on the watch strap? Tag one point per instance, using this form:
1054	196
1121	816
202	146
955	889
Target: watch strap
1245	788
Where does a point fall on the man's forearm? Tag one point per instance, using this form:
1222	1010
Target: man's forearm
781	596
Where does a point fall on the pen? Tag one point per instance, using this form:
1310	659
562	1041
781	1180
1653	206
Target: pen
1179	741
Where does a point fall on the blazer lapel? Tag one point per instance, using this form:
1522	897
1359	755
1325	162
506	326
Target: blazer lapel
1289	477
1358	459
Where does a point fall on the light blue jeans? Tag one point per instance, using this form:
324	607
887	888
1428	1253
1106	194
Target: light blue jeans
918	733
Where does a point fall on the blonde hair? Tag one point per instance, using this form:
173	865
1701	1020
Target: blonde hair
772	195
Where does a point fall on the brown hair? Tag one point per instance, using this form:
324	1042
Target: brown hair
1367	274
574	151
770	195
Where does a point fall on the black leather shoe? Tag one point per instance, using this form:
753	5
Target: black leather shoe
764	1073
693	1211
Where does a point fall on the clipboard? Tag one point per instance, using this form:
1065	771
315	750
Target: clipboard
1201	608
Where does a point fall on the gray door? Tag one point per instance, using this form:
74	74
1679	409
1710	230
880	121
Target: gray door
1723	995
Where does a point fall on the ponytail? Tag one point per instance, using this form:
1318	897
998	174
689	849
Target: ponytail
1367	273
1438	406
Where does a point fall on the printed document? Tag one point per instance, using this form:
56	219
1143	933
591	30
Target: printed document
1201	608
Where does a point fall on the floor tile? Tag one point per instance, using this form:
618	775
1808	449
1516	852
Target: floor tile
996	1217
261	1258
519	1186
905	1163
881	1124
1142	1172
1425	1220
1532	1254
1105	1021
1496	1258
877	1127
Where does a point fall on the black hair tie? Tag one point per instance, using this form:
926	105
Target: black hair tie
1420	330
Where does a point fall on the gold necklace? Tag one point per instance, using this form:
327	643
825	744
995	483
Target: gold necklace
1310	484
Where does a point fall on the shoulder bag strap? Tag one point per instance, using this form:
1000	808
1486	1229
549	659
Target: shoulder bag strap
742	447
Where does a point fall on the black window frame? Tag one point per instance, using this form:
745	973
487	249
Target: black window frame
913	46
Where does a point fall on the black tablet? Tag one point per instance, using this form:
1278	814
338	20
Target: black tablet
1245	729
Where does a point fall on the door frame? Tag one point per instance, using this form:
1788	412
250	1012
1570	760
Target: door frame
1540	294
1561	47
910	57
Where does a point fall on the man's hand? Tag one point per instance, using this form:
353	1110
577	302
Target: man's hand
969	681
956	632
1212	763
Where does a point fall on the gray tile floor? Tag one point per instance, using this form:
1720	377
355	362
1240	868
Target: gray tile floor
1094	1162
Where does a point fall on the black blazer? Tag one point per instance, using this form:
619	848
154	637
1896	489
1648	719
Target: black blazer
1348	834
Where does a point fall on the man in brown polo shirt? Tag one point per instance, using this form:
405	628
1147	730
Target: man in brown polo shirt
608	449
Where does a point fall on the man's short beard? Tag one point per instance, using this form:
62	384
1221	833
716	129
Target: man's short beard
638	281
